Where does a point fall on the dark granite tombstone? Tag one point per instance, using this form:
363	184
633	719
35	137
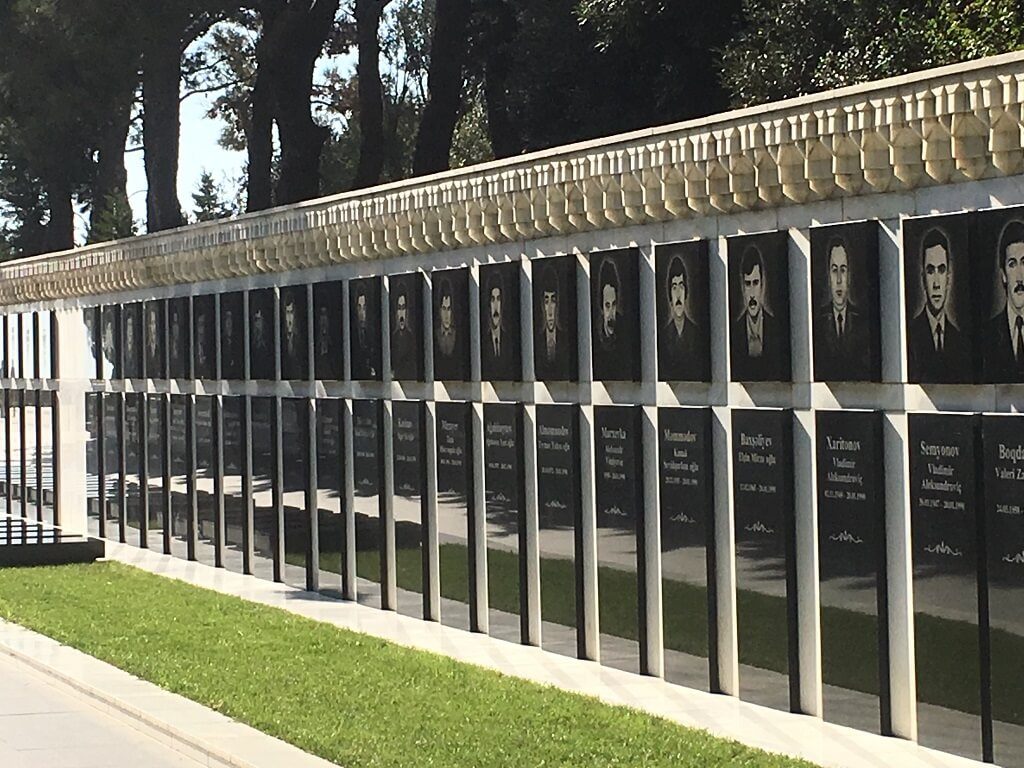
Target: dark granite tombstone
940	316
156	471
296	492
500	324
405	294
852	569
560	523
262	334
619	497
330	504
110	344
206	479
1003	488
555	352
615	314
232	336
367	471
294	333
236	522
845	298
328	360
762	455
686	491
455	514
505	515
204	336
131	316
179	475
759	333
409	506
179	338
364	322
682	296
265	531
451	324
997	280
944	548
134	413
154	335
113	466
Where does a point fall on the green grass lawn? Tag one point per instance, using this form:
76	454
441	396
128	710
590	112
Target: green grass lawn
350	698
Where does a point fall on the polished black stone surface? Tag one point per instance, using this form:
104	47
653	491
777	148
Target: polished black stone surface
204	336
156	469
236	532
330	504
405	294
364	314
944	547
154	338
618	482
110	344
113	424
179	338
232	335
682	298
134	413
762	456
180	474
294	333
455	512
450	313
367	470
206	479
560	522
500	323
131	316
615	314
555	351
297	534
409	505
262	354
504	497
1003	473
328	359
852	569
264	490
685	483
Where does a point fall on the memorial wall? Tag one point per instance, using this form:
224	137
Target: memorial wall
691	406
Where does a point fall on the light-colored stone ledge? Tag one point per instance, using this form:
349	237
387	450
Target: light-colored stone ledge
954	124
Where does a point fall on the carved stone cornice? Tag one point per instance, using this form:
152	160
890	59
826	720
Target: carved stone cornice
954	124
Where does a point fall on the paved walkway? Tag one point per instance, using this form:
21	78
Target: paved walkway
42	725
823	743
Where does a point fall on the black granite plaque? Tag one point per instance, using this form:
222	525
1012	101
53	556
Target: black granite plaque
154	336
110	344
682	292
555	355
296	494
236	532
328	360
264	459
560	524
113	475
852	568
455	513
500	324
406	317
204	336
262	347
844	292
156	469
365	336
759	340
504	496
133	415
943	520
330	479
1003	473
618	484
940	320
615	314
762	456
450	322
367	467
294	333
205	479
232	336
179	338
409	506
686	491
997	264
131	315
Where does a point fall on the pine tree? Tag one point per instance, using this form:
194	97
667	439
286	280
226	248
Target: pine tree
208	201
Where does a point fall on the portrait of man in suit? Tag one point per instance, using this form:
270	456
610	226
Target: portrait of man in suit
445	331
202	353
362	334
154	349
614	316
294	352
231	352
609	292
759	341
840	330
403	342
549	334
1003	340
499	322
365	337
498	349
679	338
555	355
937	350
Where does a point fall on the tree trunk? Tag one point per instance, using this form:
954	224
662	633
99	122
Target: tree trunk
60	230
259	144
161	129
506	140
370	94
444	83
109	194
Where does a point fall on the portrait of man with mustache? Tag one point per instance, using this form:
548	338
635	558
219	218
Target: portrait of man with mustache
759	336
614	317
499	322
1003	348
682	281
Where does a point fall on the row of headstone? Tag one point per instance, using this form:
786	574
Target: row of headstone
964	286
28	345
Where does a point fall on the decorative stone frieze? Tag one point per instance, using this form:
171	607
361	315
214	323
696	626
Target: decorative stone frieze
953	124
